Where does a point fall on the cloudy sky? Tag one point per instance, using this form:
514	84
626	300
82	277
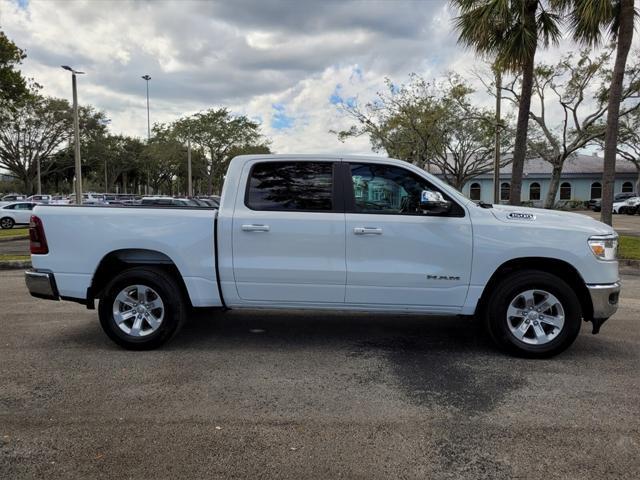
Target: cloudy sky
284	63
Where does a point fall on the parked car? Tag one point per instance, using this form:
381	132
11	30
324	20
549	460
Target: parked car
17	213
596	204
209	202
631	206
39	198
11	198
60	200
331	233
168	202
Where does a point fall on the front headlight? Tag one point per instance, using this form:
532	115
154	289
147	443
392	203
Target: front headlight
604	247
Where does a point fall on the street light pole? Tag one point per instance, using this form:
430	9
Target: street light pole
106	178
189	184
39	181
146	78
76	132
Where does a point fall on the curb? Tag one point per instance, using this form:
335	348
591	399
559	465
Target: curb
629	263
15	264
12	239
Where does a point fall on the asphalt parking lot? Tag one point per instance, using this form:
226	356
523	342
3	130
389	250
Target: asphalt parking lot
299	395
623	224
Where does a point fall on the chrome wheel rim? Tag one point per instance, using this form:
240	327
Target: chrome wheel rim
6	223
138	310
535	317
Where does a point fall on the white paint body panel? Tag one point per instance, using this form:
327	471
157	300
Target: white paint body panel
80	237
313	260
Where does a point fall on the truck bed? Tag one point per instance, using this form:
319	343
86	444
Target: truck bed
81	237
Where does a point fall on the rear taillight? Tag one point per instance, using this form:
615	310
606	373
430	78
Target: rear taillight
38	241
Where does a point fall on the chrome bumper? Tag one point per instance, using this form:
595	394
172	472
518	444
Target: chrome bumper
41	284
604	299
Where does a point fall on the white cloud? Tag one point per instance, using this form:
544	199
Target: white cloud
246	55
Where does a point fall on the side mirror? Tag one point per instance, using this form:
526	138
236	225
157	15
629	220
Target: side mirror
434	202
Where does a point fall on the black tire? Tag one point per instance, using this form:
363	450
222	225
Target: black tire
6	223
166	288
508	289
631	210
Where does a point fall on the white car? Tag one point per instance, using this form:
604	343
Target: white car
39	198
17	213
618	205
629	206
11	198
326	232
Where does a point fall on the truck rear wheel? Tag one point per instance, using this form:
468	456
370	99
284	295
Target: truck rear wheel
141	308
533	314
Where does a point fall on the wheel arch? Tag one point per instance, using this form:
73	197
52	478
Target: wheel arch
117	261
554	266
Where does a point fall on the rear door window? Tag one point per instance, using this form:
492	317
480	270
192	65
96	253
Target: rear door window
291	186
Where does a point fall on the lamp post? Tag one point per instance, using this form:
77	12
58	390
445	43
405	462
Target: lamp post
105	122
189	181
76	131
146	78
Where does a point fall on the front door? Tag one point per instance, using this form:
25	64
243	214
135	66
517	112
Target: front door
398	252
289	233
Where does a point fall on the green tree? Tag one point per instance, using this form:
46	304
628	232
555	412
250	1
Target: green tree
575	90
592	21
433	126
629	141
217	132
510	31
34	133
13	85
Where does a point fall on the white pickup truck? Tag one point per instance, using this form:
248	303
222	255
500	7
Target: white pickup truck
336	233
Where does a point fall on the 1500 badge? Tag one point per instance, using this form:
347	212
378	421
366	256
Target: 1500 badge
521	216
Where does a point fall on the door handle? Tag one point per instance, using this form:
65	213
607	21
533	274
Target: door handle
255	228
367	230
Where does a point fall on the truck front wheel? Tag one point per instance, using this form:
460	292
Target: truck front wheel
533	314
141	308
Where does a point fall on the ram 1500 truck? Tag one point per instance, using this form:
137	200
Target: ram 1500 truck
335	233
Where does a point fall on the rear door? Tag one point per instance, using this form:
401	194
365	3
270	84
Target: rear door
22	212
289	233
398	253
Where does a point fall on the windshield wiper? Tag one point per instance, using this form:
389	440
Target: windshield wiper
482	204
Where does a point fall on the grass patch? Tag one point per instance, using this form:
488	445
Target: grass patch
6	257
14	232
629	248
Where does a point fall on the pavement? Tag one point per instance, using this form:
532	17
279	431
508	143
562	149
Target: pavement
311	395
14	247
623	224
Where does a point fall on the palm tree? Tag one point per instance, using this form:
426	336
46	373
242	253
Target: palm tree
591	21
510	31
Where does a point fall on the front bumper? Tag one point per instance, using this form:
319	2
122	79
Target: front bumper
41	284
604	299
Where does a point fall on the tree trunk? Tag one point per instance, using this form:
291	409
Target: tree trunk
625	36
520	147
496	160
554	183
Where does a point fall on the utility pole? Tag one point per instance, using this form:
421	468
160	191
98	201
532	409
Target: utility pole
189	184
39	181
105	122
496	161
76	131
146	78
